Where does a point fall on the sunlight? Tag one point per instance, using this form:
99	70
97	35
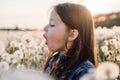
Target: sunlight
96	6
32	11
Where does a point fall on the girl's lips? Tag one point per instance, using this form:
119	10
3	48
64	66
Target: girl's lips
45	38
46	42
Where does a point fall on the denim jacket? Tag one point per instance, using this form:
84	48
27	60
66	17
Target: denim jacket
76	73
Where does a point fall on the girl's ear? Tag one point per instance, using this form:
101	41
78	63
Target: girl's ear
73	34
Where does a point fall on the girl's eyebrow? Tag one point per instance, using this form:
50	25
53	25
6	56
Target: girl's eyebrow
51	19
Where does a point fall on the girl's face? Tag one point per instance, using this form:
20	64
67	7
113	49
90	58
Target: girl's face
56	33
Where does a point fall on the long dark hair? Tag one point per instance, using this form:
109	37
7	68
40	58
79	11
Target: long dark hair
77	16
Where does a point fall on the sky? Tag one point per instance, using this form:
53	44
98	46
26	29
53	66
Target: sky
34	14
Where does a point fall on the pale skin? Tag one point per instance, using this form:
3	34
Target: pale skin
59	38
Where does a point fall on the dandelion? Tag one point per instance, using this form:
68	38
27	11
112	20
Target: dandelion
21	67
107	71
21	46
4	56
10	59
13	61
106	42
119	44
104	48
4	66
106	53
27	40
25	51
118	58
18	54
113	42
14	44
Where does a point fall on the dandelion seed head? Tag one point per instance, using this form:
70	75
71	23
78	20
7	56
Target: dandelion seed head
9	58
113	41
106	42
118	58
27	40
4	56
107	71
20	67
14	44
18	54
4	66
104	48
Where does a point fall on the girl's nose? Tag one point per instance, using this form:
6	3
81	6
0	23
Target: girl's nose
46	28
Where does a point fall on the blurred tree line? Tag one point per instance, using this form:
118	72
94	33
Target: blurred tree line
107	20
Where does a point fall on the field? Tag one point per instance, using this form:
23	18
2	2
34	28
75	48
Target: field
22	49
26	49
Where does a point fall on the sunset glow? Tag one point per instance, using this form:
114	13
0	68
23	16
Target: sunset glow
34	13
97	6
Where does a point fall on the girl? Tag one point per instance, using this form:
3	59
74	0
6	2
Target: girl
70	39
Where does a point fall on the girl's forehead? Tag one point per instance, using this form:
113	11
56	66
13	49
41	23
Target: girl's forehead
54	16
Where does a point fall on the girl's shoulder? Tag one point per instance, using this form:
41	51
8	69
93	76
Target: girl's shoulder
53	58
80	70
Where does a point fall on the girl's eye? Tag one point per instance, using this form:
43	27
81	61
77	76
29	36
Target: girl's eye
52	25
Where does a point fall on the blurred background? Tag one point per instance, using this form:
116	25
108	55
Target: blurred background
21	28
33	14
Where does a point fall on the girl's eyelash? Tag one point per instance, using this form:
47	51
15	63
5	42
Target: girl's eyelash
52	25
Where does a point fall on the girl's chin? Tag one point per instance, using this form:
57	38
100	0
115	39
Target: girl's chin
51	50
